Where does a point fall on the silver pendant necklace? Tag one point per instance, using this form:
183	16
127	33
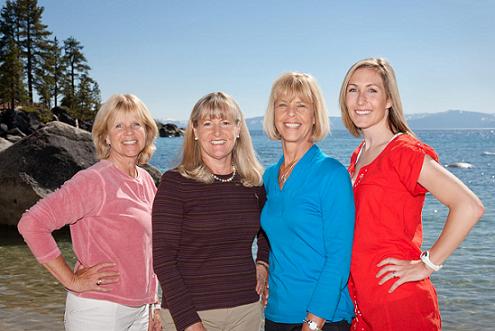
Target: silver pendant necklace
226	180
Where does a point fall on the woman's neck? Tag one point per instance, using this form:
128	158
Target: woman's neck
374	137
294	151
219	167
126	165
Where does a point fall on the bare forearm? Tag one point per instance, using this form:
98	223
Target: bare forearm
59	268
458	224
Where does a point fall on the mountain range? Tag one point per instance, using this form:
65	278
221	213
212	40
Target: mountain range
450	119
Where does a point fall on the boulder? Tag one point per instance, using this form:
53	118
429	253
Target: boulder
26	122
40	163
4	144
169	130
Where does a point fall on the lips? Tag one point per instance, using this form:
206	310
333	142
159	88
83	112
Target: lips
218	142
292	125
129	142
362	112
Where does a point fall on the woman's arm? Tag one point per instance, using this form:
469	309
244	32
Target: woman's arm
337	205
167	221
465	209
78	197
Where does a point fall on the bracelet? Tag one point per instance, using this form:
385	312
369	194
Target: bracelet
425	257
264	264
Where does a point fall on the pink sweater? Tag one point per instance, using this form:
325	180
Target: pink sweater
110	221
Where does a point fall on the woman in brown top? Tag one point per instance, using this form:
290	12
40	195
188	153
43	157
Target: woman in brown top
205	218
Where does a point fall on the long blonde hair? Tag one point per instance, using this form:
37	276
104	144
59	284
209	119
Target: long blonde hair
396	119
223	106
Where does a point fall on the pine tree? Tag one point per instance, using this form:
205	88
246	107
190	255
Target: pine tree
32	40
50	74
76	67
12	89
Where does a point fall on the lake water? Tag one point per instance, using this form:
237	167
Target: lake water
31	300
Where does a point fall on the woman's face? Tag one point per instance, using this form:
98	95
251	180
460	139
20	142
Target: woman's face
294	119
366	99
216	138
126	136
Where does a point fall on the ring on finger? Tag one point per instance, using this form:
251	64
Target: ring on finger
98	282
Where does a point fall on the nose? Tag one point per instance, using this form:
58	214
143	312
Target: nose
291	110
361	100
216	129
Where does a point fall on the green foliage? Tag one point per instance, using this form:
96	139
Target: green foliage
32	65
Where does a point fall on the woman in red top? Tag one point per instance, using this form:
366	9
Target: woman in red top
391	172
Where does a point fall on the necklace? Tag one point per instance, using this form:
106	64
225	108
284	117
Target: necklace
284	173
227	180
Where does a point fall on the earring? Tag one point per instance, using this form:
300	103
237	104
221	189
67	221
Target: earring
195	138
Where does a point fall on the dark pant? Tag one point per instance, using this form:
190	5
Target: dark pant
329	326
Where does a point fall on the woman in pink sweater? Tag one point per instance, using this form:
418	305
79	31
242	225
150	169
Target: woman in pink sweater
108	208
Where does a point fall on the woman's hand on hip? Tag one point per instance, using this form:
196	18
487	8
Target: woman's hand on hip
404	270
94	278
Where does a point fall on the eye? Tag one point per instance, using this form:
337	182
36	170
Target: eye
119	126
281	105
226	123
373	90
136	125
351	90
207	124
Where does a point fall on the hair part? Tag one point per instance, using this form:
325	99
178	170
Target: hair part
120	104
396	119
223	106
304	86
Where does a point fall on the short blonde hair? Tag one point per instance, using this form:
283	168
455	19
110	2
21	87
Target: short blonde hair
396	119
223	106
295	84
123	104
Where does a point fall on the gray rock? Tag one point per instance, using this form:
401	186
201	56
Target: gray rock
4	144
40	163
169	130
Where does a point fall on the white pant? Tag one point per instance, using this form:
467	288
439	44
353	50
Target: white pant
82	314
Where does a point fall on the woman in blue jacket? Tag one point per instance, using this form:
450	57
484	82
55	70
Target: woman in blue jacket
308	215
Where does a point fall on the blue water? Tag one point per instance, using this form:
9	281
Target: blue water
466	285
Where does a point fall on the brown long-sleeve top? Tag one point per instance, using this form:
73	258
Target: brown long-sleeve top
202	239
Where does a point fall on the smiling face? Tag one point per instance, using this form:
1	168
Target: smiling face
294	119
216	137
126	137
366	99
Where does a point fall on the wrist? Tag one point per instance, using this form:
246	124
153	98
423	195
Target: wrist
312	325
425	258
263	264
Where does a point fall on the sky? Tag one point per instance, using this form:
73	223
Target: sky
171	53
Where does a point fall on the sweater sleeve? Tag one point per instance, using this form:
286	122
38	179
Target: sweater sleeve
262	241
337	203
80	196
168	211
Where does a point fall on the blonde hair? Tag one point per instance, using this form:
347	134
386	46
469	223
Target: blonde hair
396	119
219	105
116	105
295	84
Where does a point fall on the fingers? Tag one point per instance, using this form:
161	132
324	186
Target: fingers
395	285
384	270
388	277
391	260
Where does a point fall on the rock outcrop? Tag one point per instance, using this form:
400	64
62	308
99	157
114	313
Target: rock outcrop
40	163
169	130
